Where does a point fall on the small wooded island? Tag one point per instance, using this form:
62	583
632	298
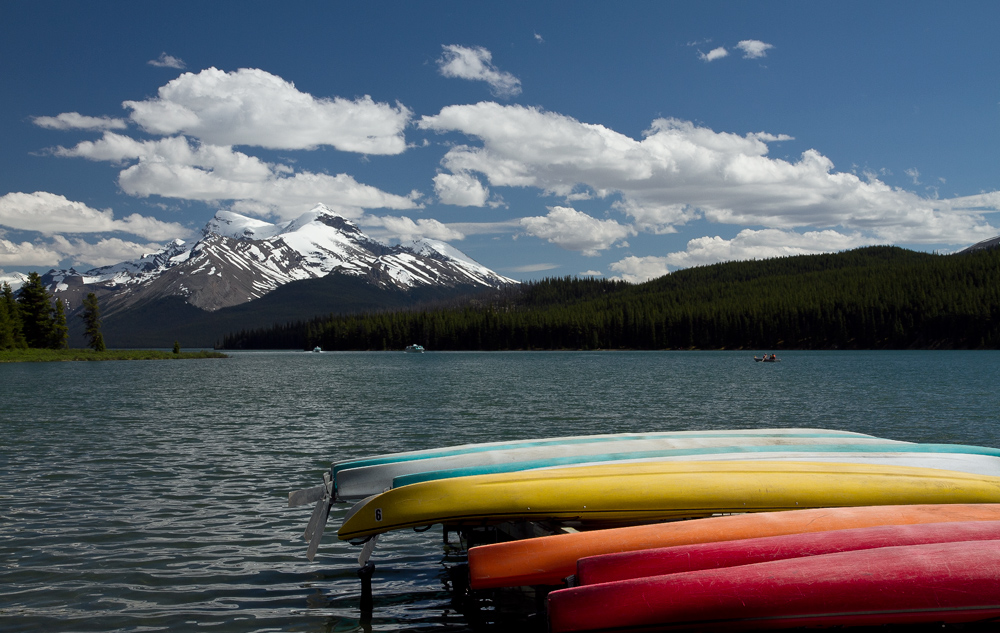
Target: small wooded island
33	329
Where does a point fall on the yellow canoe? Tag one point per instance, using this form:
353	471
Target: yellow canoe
657	491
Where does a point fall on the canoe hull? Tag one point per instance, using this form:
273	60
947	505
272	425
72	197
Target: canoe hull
658	491
359	478
364	481
595	570
954	457
949	582
548	560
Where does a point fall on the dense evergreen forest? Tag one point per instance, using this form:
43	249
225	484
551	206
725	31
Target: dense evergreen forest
870	298
32	319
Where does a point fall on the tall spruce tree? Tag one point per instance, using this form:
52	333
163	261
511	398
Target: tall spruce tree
59	335
11	334
6	327
91	316
36	312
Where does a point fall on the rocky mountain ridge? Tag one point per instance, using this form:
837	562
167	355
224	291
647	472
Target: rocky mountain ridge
241	259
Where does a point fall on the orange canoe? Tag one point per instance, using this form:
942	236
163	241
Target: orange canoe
548	560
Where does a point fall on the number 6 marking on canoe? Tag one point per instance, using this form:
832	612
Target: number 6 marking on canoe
378	514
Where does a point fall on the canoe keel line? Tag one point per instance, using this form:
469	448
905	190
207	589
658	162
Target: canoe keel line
712	489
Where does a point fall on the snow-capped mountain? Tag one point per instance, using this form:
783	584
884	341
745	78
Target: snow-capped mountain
16	280
239	259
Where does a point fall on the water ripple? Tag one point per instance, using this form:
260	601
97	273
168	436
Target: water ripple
144	496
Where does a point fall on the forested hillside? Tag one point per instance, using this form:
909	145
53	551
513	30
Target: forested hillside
869	298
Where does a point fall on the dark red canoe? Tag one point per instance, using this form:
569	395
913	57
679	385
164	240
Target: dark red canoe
671	560
913	584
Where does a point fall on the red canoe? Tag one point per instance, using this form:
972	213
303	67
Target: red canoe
671	560
548	560
913	584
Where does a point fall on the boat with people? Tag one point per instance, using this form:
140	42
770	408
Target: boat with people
414	349
768	358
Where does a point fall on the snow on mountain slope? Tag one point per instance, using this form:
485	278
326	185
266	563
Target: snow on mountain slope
16	280
240	259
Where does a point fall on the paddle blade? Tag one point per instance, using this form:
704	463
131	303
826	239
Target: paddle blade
303	497
323	510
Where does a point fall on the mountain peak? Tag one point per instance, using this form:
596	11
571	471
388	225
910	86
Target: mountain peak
241	259
321	214
230	224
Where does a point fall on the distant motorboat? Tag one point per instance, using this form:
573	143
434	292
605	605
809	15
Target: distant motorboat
414	349
317	349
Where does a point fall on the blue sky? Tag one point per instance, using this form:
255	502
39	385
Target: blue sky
624	140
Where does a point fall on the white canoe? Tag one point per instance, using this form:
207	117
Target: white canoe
960	458
360	478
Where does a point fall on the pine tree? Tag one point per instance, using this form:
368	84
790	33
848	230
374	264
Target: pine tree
6	326
13	312
91	316
59	335
36	312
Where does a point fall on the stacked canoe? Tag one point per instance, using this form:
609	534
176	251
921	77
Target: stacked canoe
783	527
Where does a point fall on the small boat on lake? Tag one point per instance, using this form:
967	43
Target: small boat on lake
317	349
767	359
414	349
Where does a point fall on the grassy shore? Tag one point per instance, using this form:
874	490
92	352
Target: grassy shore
48	355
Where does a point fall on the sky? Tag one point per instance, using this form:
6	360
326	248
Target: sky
619	140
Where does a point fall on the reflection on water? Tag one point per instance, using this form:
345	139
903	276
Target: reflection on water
144	496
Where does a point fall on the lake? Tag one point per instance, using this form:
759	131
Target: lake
151	495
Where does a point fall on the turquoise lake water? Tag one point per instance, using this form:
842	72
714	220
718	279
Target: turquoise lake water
149	496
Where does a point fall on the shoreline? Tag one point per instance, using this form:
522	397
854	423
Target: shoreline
64	355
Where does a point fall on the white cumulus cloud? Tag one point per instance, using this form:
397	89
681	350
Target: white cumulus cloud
765	244
174	167
753	49
714	54
253	107
679	172
639	269
77	121
461	189
80	252
576	231
167	61
747	245
27	254
404	228
50	213
476	63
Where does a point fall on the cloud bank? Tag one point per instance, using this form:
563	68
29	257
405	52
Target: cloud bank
175	167
679	172
50	213
253	107
55	216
